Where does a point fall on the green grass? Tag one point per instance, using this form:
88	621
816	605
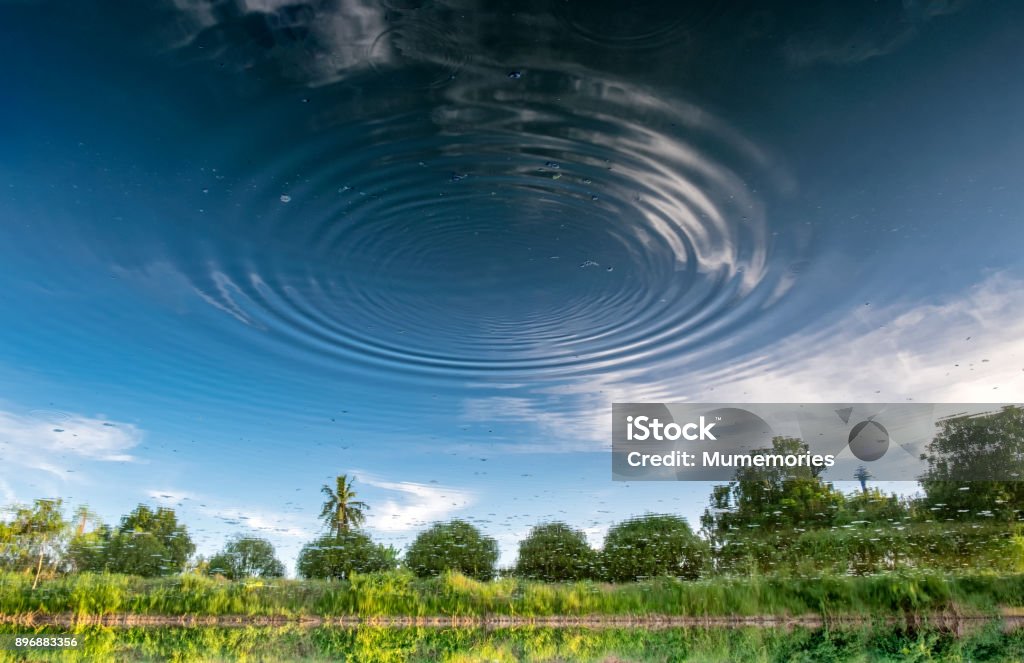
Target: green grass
401	594
538	645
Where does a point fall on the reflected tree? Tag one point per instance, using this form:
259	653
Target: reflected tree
340	555
34	538
554	552
453	546
652	545
341	511
976	468
246	557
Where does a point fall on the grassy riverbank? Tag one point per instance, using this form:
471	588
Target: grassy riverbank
401	594
537	645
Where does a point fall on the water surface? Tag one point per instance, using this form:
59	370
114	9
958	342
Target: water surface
247	246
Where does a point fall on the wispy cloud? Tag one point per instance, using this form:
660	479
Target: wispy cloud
49	443
262	521
968	347
416	505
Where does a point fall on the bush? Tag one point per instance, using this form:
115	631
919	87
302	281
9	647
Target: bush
652	545
554	552
247	557
146	543
342	555
453	546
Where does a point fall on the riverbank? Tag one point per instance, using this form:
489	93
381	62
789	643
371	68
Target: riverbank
398	594
982	641
1011	619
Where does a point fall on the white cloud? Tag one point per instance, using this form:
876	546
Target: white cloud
968	347
347	36
571	417
417	505
43	442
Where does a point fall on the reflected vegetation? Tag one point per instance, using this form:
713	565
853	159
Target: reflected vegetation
540	645
939	574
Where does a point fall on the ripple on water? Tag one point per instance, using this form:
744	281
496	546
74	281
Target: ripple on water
572	225
638	25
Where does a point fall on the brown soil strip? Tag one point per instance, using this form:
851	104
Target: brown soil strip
1012	619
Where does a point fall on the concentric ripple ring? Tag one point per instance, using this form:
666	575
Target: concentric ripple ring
508	231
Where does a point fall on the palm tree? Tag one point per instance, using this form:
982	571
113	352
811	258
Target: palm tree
342	511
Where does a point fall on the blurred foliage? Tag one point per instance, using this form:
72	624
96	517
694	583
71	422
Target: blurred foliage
453	546
771	498
34	538
962	460
789	521
554	552
246	557
534	644
400	593
147	542
341	555
652	545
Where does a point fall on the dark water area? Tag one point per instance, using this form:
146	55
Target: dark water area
444	193
372	645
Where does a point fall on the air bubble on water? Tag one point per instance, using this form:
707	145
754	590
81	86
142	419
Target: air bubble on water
285	198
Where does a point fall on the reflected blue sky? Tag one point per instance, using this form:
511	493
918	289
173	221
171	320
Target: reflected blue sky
247	246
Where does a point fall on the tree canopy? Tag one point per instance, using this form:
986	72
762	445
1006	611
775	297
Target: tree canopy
652	545
246	557
971	465
453	546
148	542
554	552
34	538
339	556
